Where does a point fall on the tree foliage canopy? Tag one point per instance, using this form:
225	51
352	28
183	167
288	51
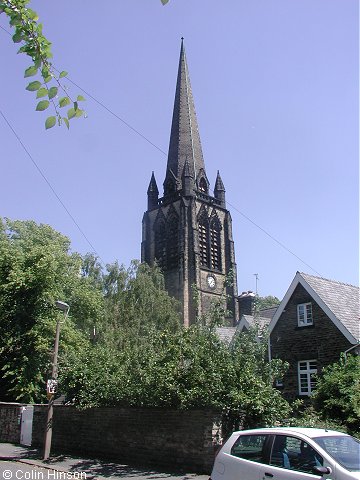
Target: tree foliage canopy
36	269
337	394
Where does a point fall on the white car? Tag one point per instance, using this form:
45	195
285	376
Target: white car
288	454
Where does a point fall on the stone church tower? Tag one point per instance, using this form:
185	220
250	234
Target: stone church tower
188	230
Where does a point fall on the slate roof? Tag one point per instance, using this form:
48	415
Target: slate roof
260	321
268	312
341	298
226	334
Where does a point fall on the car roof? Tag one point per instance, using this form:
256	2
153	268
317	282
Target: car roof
307	431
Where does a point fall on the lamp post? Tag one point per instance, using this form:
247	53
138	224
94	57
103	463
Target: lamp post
64	307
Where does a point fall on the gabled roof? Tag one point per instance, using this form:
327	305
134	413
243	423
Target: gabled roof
249	321
268	312
226	334
340	302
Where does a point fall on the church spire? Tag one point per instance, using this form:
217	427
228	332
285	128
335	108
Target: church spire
185	142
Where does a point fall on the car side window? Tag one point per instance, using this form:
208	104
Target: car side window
294	454
250	447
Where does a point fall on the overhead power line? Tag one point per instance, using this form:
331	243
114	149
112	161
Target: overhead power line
137	132
50	186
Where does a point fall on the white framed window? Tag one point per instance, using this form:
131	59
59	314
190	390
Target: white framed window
304	314
307	370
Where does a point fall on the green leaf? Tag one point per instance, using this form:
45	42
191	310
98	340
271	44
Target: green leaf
43	105
48	78
50	122
164	2
45	72
66	121
63	74
33	86
71	113
64	101
80	98
42	92
79	113
31	71
17	37
53	92
16	20
33	15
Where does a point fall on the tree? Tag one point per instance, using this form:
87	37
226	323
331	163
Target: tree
184	369
337	395
262	303
36	269
136	301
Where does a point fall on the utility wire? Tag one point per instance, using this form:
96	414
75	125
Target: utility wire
273	238
164	153
50	186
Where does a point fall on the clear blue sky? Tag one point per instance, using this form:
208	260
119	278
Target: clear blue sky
275	84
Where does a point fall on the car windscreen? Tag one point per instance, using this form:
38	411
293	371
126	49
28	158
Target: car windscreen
343	448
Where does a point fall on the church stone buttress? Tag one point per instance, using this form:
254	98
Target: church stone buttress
188	231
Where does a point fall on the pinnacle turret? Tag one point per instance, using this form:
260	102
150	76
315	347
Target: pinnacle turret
152	193
219	190
188	183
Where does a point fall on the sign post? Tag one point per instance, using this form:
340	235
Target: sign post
51	386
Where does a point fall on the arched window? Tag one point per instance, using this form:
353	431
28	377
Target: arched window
215	245
203	185
160	244
204	241
172	242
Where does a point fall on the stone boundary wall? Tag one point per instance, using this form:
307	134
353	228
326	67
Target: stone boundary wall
158	437
10	415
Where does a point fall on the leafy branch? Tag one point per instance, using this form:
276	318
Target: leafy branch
49	89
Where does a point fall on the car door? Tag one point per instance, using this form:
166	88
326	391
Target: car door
244	460
291	458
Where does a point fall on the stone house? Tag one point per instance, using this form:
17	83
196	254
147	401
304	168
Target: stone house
317	320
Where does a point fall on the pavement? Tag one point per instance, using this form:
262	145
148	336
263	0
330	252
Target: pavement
87	468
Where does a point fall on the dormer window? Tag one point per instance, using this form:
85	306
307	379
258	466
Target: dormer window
203	185
304	314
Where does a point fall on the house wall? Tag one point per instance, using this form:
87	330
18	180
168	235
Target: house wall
166	438
321	341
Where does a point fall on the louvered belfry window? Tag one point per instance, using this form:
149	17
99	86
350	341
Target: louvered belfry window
215	246
172	242
204	242
160	244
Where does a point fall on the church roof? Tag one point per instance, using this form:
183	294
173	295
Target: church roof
185	142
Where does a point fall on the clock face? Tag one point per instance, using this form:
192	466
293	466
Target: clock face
211	281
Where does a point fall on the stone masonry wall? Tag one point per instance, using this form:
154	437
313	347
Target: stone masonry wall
165	438
321	341
10	422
